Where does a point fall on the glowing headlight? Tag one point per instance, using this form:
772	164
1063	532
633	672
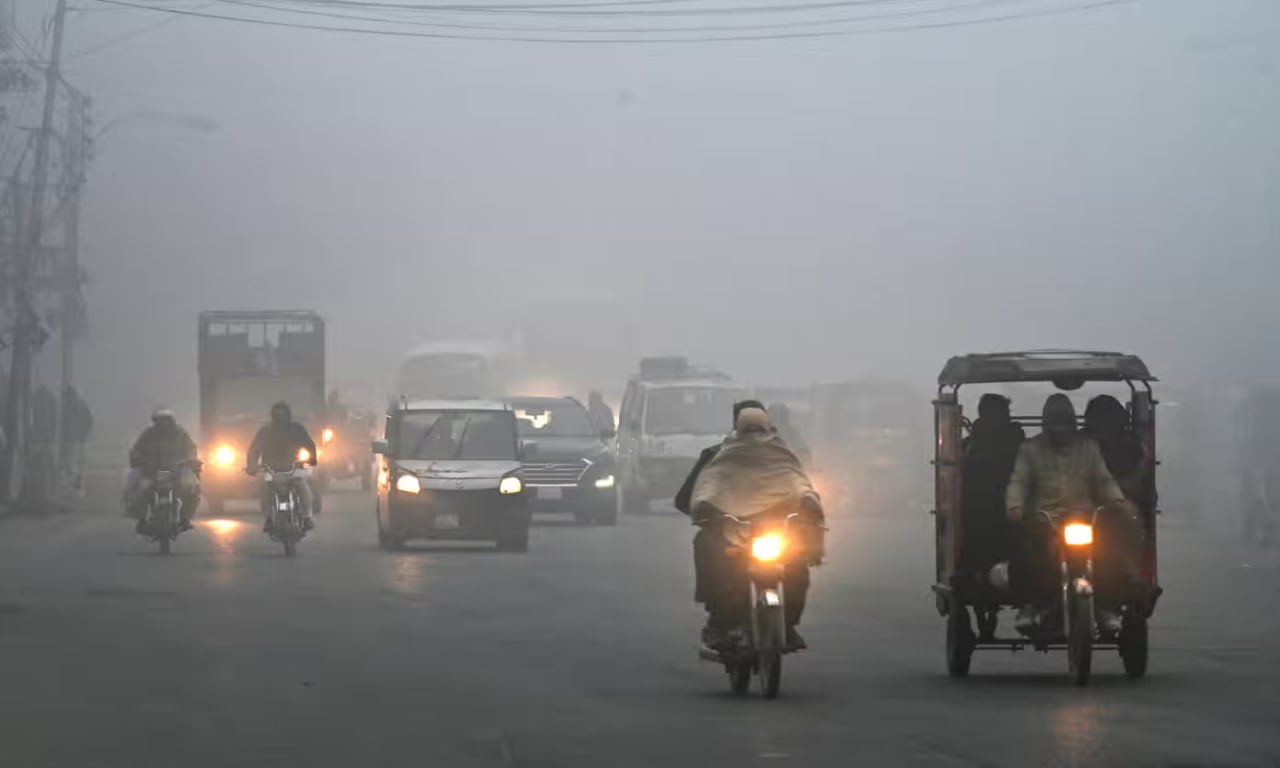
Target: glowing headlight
1078	534
224	456
326	436
510	485
605	482
304	455
767	548
408	484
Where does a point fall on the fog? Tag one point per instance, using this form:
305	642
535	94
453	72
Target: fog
788	210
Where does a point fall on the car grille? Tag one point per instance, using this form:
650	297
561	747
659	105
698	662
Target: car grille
564	473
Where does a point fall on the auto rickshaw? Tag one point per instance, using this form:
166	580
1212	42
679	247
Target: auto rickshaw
965	598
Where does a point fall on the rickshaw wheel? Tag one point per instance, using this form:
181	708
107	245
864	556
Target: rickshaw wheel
960	640
1133	645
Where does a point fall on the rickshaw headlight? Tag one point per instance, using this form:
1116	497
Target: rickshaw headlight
1078	534
768	547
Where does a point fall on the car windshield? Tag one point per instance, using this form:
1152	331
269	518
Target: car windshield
553	419
694	410
458	435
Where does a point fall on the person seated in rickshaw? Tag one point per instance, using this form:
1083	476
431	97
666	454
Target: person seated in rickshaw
989	454
1107	422
1056	472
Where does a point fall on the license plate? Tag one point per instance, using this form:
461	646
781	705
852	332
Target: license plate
446	522
550	494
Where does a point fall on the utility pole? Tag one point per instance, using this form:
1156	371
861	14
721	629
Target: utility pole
71	312
27	321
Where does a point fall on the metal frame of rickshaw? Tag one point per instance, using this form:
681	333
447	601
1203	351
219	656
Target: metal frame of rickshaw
949	425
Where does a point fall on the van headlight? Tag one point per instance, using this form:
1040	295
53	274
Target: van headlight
408	484
605	482
510	485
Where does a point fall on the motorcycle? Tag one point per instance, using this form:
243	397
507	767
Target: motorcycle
164	518
759	643
288	518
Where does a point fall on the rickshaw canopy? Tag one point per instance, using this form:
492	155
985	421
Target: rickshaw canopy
1068	369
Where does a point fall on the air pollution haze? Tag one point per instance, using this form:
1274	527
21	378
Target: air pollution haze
794	210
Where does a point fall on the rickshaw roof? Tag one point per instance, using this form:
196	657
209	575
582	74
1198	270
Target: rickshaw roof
1043	365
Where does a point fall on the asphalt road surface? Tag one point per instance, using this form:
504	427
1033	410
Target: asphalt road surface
579	653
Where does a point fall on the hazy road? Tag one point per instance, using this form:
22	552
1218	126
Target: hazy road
579	653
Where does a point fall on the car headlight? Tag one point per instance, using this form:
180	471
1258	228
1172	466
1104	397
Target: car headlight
224	456
605	482
510	485
768	547
1078	534
304	455
408	484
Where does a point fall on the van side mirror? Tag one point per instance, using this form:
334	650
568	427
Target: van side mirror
381	448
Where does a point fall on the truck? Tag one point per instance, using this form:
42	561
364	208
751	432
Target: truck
247	361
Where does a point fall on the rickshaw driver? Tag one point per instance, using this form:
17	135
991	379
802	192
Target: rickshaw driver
1056	471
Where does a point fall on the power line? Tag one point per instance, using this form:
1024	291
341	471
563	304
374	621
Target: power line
1076	8
778	25
130	35
597	9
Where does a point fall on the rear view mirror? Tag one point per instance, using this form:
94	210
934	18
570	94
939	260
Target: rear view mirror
381	448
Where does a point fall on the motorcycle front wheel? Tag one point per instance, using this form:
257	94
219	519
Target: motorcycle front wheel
1080	640
740	678
772	628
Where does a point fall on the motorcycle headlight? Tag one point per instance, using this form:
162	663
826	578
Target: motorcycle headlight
1078	534
510	485
408	484
605	482
224	456
768	547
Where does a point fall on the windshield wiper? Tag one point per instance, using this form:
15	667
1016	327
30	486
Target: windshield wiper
462	439
422	441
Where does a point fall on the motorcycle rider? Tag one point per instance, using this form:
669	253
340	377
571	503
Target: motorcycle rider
716	573
1058	471
277	445
163	445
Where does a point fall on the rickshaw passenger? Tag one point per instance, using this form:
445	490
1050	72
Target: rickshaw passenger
1058	471
1107	422
989	454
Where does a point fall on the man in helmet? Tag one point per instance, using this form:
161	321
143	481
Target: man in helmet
1058	471
280	443
163	445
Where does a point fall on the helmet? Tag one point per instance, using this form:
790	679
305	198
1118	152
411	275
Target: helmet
163	417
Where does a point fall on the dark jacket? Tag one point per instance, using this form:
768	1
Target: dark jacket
161	448
276	445
684	497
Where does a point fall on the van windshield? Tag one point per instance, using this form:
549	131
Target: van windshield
693	410
457	435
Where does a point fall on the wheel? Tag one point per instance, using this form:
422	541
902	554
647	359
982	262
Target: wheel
290	549
769	654
960	642
1133	645
517	542
1080	640
607	516
632	503
740	678
164	545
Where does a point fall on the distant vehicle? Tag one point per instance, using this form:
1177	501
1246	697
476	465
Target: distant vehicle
964	598
454	370
670	412
247	362
450	469
344	446
568	462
